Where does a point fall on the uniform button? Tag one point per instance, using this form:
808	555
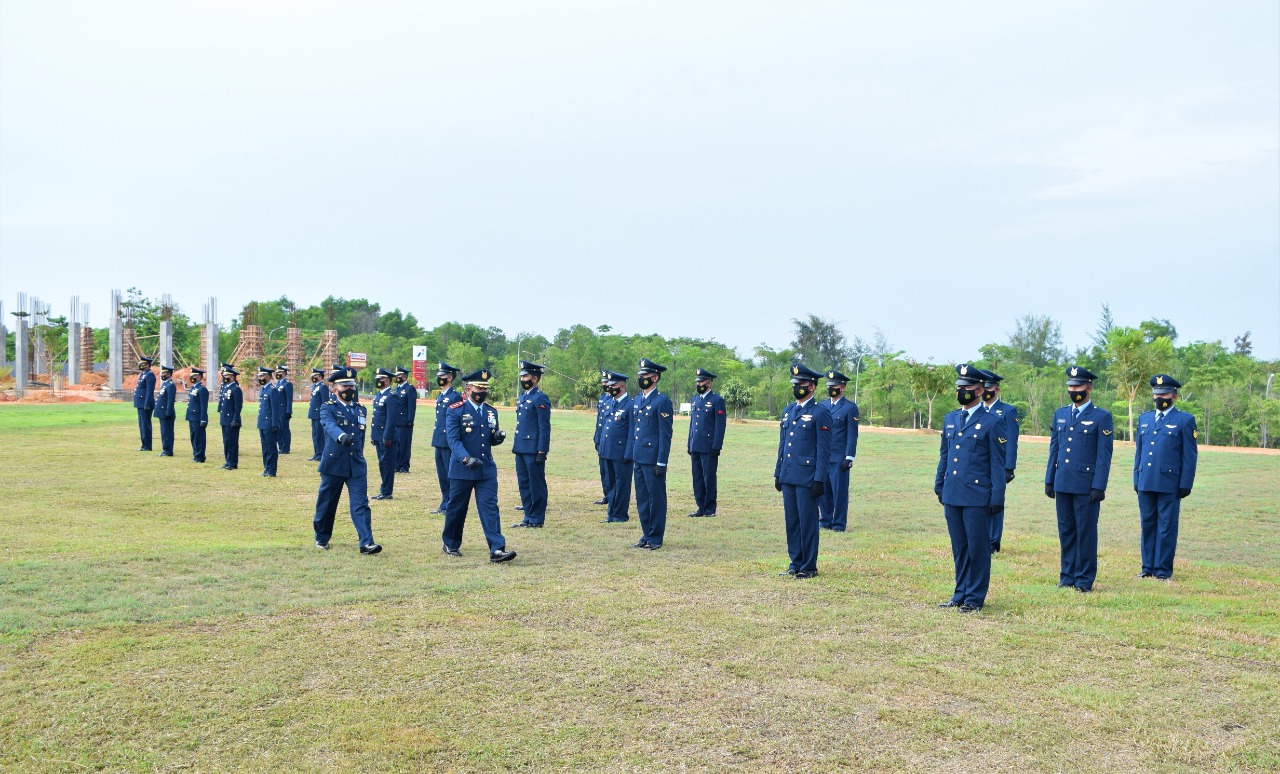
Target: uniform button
1068	448
1151	454
1068	438
954	472
1064	462
975	481
788	455
1148	464
957	446
955	459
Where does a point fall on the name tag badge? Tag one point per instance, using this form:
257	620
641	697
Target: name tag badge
361	421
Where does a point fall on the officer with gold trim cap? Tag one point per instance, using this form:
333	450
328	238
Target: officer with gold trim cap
472	429
342	463
1164	470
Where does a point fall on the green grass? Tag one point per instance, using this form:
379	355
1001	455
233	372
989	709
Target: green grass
159	615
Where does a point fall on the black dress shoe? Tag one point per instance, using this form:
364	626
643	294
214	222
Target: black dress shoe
969	608
450	551
322	546
708	514
1065	585
1084	590
695	514
372	548
265	474
377	497
232	467
519	507
199	461
533	526
806	574
790	571
1146	575
640	544
165	454
225	466
823	526
949	603
837	529
652	547
502	555
518	525
601	501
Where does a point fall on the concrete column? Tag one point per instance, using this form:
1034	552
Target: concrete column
115	361
4	343
211	354
73	354
166	343
21	362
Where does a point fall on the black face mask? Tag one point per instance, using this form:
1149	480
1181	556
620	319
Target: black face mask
645	382
381	384
526	384
1162	404
195	379
617	390
347	394
965	395
988	394
702	388
479	397
1078	396
441	381
834	392
800	391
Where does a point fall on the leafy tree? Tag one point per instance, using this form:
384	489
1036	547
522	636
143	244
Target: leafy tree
1243	345
819	343
928	381
1037	341
737	395
1155	328
1133	361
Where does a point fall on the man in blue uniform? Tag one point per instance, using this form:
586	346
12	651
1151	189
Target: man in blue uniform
165	409
445	375
197	414
144	400
342	463
284	404
613	448
604	405
1164	470
230	403
319	397
800	473
532	443
407	395
649	448
970	486
706	438
472	429
382	432
268	421
833	507
1080	446
1008	414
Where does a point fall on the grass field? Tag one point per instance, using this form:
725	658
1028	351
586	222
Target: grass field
161	615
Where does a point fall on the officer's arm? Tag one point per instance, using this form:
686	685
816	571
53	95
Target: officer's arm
1190	454
1053	448
329	422
1011	448
1137	451
1102	471
666	424
782	443
453	432
631	429
411	401
823	420
543	406
237	404
717	438
996	462
851	440
204	407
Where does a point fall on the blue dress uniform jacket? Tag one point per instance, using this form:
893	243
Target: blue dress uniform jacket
284	413
144	400
470	429
970	477
1165	457
706	438
386	408
198	419
440	442
604	405
343	465
269	426
230	404
614	435
320	395
833	507
407	395
804	447
166	412
649	447
1079	461
533	438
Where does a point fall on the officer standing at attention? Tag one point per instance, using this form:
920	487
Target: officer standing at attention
144	400
613	448
439	438
382	434
197	413
604	405
268	421
1007	413
165	410
1076	478
706	438
319	397
284	402
970	486
407	395
804	447
230	403
1164	470
342	463
649	448
533	441
472	429
833	507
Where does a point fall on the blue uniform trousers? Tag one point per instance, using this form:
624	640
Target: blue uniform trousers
970	552
651	503
1078	538
144	428
387	459
443	457
198	436
327	507
997	530
166	436
532	479
833	506
270	450
317	437
231	446
455	518
619	493
800	513
404	448
705	467
606	478
1158	513
283	436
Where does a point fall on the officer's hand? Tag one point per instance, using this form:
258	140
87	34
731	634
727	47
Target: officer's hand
410	424
846	464
540	457
1183	493
471	462
498	437
1048	491
992	510
204	424
715	452
1008	476
777	483
346	439
627	462
1097	495
235	424
689	451
816	489
940	498
659	470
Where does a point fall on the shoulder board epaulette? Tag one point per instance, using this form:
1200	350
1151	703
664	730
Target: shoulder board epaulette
456	405
331	402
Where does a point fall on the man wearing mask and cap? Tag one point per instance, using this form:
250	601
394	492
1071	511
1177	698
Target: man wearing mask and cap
604	405
1164	470
230	403
165	409
1075	478
533	442
144	400
407	396
649	448
319	397
439	439
342	463
268	421
382	432
284	409
472	429
614	437
833	507
1008	414
970	485
804	446
706	438
197	414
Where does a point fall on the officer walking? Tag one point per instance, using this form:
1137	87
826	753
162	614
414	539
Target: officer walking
833	506
165	409
319	396
614	437
804	447
649	448
407	395
284	405
197	413
604	405
1080	445
472	429
533	442
1008	413
386	406
445	375
706	438
342	463
268	421
144	400
230	403
1164	470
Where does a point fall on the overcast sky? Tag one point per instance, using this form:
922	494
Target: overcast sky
712	169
